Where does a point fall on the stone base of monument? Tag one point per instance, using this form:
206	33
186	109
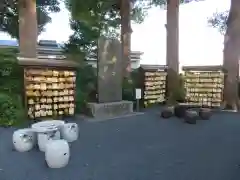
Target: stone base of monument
110	109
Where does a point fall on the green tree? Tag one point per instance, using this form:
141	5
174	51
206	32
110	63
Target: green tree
93	19
82	42
104	16
219	21
9	15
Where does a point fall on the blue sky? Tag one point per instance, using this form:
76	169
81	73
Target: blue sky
199	43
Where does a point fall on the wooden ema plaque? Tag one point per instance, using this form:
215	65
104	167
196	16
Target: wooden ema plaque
204	85
152	81
49	90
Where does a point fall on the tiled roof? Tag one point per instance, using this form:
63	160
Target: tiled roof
14	43
9	43
52	48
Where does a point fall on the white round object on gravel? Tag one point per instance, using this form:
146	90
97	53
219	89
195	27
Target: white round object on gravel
57	153
70	132
24	139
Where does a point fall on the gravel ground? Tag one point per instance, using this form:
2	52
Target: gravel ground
142	147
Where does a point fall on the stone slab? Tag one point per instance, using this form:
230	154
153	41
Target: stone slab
113	118
109	70
110	109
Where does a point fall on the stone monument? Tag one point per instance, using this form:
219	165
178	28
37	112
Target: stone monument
109	70
110	77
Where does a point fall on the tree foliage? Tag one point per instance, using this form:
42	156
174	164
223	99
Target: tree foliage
110	9
219	21
9	15
93	18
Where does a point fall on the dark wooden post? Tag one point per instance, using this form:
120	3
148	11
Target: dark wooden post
172	45
28	28
231	56
126	31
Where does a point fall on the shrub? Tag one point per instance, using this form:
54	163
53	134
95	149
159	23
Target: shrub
86	88
129	86
127	90
12	112
11	89
11	74
178	95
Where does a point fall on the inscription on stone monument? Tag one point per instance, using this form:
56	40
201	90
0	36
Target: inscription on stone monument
109	70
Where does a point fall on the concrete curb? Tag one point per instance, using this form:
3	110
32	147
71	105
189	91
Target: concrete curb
112	118
225	111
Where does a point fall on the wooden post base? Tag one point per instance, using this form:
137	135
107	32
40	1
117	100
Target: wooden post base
233	106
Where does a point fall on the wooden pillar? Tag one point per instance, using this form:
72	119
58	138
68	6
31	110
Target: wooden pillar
172	55
126	31
231	57
28	28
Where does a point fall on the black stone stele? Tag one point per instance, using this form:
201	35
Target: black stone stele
167	112
205	113
180	111
109	70
191	117
152	81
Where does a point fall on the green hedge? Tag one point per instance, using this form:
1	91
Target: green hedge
11	89
12	112
86	87
11	77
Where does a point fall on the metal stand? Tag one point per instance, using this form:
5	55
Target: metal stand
137	105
